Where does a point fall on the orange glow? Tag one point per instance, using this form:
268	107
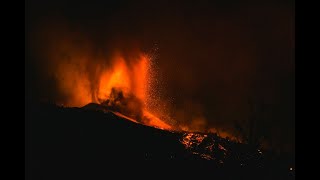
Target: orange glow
140	74
73	83
129	79
132	79
117	76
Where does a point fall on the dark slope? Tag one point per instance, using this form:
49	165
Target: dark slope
86	143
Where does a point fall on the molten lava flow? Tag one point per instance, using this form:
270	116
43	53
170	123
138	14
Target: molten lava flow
125	117
155	121
206	146
192	139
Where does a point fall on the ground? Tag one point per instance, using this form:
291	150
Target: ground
77	143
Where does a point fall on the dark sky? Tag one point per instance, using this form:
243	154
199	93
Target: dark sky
215	57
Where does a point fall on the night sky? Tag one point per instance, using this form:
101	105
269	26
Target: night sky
225	60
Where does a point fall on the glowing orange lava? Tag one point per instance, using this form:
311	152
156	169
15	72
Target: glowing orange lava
132	80
155	121
116	76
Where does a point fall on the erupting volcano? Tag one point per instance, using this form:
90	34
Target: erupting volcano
211	81
125	88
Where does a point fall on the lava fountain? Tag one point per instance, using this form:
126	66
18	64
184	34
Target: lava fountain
122	83
124	88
